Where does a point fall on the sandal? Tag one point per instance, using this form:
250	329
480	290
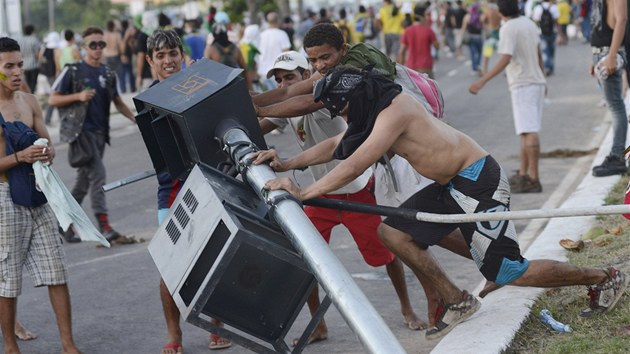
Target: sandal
217	342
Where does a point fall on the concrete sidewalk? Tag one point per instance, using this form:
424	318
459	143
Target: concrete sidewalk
493	327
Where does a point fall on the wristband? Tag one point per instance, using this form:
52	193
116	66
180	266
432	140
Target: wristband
16	158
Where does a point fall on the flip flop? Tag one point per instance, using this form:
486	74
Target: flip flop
217	342
177	347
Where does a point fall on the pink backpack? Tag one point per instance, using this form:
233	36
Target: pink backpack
424	89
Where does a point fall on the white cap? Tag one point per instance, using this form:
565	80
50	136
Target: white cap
288	61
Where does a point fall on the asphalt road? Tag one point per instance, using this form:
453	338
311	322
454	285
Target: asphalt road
115	302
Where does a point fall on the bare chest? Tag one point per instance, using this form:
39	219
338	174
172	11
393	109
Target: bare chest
15	112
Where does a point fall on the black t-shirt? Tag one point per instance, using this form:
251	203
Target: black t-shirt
459	17
97	117
141	49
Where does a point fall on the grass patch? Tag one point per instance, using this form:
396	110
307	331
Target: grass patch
609	245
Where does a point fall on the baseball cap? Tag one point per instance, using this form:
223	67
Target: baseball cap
290	60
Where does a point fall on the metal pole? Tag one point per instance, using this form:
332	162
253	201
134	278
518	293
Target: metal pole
464	218
51	15
356	309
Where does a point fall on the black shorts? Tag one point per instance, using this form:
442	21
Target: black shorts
480	188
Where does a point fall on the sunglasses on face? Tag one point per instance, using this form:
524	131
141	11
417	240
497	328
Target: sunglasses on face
95	45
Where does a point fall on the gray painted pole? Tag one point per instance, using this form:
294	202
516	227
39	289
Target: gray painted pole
355	308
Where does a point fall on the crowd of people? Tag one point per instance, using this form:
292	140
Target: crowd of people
358	90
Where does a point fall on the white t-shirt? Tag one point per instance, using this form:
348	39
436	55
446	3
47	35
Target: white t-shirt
518	37
537	12
273	42
316	127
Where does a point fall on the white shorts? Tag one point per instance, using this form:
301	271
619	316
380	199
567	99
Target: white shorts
527	107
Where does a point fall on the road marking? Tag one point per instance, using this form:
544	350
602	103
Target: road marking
108	257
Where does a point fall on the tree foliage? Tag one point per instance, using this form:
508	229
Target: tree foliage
73	14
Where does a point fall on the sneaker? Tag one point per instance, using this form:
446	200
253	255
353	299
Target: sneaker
528	186
516	180
69	235
612	165
453	315
603	297
111	235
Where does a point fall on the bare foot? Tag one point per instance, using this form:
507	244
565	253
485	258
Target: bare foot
488	288
320	334
413	322
72	350
22	333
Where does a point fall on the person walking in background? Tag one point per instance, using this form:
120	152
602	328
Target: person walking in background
492	22
68	54
48	67
30	47
195	40
273	41
391	24
522	61
127	60
249	48
416	43
472	27
608	22
546	15
113	50
564	19
585	13
143	70
449	30
94	84
458	18
223	51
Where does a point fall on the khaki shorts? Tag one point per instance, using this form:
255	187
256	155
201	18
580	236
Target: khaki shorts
28	237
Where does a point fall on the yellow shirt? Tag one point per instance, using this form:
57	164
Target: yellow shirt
565	13
391	24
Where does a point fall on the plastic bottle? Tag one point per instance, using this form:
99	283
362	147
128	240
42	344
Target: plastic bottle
546	317
600	68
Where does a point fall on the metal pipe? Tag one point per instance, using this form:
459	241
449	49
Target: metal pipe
355	308
464	218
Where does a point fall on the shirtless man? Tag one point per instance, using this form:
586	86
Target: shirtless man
44	257
113	49
467	180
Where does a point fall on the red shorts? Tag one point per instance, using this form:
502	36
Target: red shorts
362	227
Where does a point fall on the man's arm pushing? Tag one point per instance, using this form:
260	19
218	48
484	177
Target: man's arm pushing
386	131
292	107
318	154
281	94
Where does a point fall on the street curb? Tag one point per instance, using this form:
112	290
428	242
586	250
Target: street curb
494	326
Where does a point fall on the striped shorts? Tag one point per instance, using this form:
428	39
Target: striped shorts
28	237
